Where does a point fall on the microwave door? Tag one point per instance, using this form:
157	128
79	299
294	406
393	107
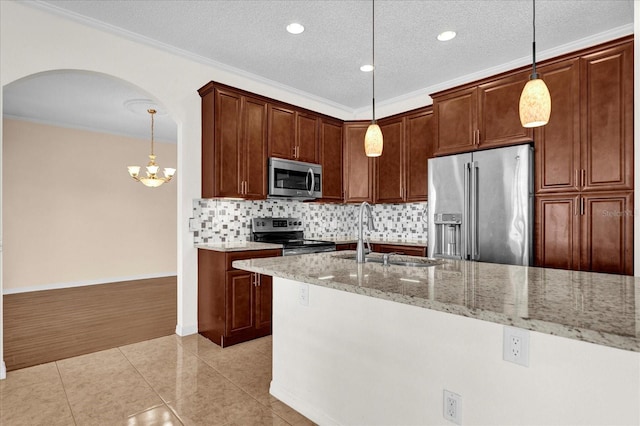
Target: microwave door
311	181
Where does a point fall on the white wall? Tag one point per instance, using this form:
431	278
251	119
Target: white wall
348	359
72	214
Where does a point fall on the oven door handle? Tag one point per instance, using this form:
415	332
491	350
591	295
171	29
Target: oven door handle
313	181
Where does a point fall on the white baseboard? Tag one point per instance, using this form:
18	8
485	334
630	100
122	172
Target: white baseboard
3	371
56	286
302	407
186	330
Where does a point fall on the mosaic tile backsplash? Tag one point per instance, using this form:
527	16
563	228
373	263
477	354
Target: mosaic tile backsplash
225	220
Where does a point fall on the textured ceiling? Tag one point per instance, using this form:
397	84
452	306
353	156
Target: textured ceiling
323	62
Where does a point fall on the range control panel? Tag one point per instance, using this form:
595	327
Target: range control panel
276	224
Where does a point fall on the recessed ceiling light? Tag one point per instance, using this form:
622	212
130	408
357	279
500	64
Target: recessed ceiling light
446	35
366	68
295	28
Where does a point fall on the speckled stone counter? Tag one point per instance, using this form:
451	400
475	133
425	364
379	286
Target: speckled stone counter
591	307
238	246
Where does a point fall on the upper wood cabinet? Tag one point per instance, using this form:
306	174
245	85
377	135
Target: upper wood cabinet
234	144
588	143
401	170
331	160
607	118
358	168
390	166
419	145
483	115
293	134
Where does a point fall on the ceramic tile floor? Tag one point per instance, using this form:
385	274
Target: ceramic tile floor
167	381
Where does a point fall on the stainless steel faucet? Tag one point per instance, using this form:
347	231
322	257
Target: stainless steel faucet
360	251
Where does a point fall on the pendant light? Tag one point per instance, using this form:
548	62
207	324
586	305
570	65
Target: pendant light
373	138
535	100
151	180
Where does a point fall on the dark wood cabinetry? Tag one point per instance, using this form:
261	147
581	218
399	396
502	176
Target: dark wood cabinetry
390	166
419	145
331	160
400	249
358	168
584	162
234	144
233	305
482	115
293	134
589	232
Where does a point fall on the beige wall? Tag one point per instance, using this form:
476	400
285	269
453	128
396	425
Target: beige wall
73	215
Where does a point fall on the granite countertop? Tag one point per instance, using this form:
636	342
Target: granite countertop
350	239
599	308
238	246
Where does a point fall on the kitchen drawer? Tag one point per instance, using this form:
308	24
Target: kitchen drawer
401	249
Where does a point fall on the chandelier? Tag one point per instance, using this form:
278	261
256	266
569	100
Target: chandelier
151	180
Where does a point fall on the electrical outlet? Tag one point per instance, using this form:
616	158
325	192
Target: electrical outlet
452	407
303	294
516	346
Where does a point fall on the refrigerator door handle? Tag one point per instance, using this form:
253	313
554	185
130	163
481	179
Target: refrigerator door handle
466	248
474	211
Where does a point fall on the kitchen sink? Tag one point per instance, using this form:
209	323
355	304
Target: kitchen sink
396	260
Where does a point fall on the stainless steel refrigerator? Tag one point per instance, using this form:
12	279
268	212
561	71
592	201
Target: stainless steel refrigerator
481	206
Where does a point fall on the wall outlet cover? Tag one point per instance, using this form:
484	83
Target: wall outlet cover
515	346
452	407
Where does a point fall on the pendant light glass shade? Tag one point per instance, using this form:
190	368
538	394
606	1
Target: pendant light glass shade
535	99
535	104
373	141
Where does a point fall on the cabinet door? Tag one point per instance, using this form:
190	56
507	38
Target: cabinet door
607	118
498	117
255	148
263	298
358	168
557	161
389	176
227	140
607	234
239	305
331	160
558	231
419	146
455	115
400	249
306	138
282	132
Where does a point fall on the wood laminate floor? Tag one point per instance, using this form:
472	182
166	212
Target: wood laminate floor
45	326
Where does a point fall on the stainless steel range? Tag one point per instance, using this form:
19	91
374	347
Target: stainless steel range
289	232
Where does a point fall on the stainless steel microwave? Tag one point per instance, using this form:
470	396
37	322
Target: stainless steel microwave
294	179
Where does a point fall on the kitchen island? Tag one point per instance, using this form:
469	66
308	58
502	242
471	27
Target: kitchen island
373	344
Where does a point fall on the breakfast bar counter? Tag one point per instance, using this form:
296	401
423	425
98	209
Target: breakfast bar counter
377	345
592	307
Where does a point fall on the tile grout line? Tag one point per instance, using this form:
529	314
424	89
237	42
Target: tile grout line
235	384
152	388
64	389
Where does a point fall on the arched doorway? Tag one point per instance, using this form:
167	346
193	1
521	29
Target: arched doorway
74	219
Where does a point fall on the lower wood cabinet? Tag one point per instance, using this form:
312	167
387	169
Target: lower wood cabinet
586	231
233	305
388	248
400	249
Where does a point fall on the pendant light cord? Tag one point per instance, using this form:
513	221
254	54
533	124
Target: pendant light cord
152	112
373	59
535	74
